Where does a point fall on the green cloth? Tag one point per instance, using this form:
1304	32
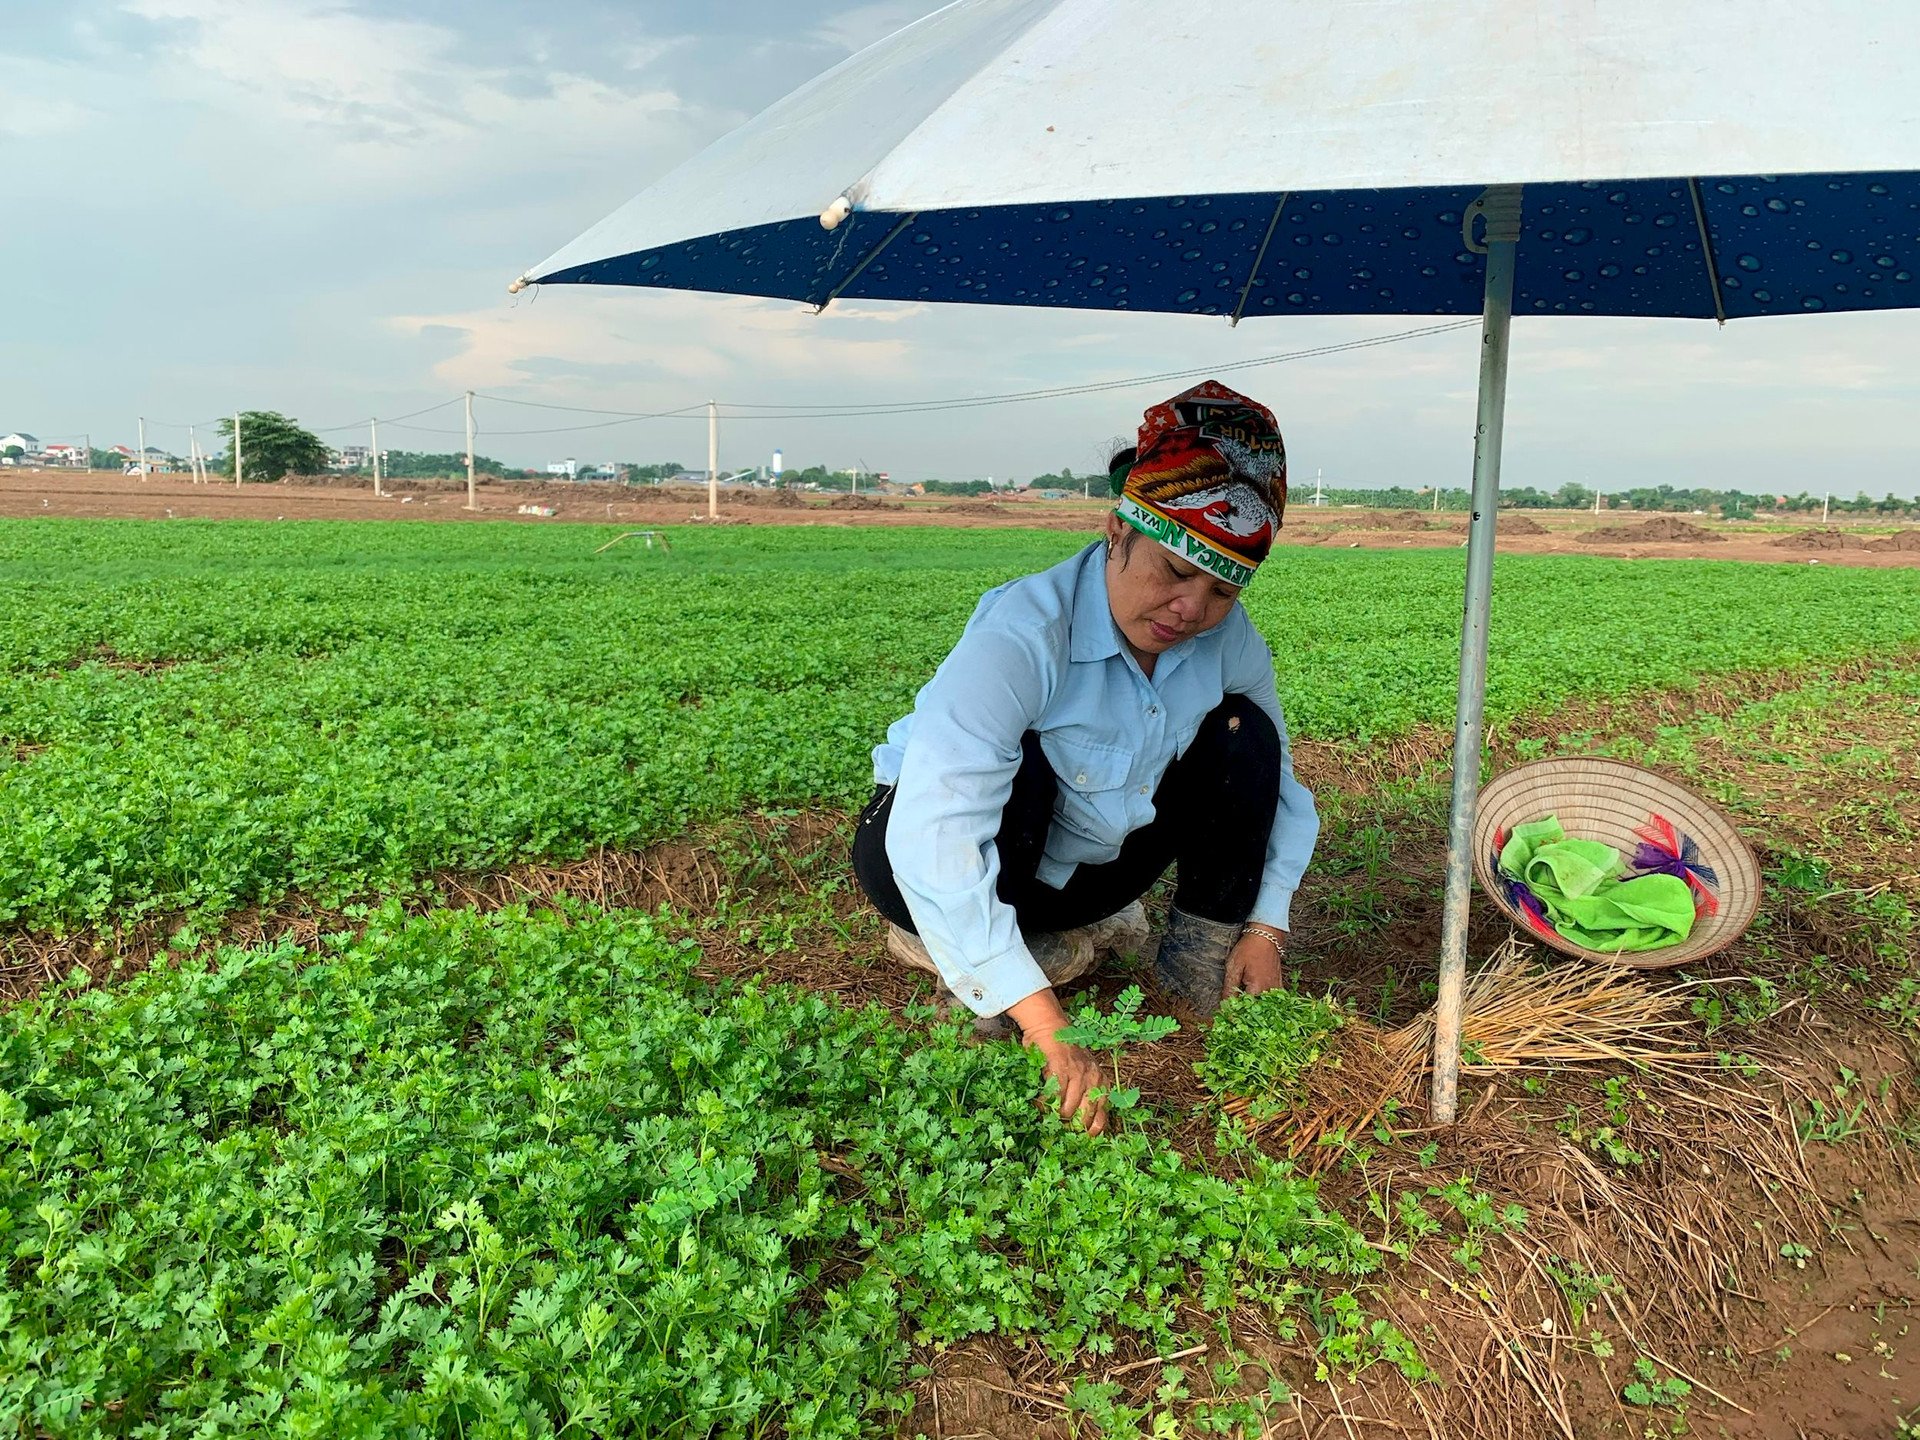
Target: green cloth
1578	883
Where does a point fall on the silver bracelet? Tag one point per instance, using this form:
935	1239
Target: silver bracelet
1267	933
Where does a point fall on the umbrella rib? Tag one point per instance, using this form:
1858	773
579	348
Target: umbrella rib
870	257
1259	255
1706	248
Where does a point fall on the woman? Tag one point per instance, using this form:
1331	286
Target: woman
1096	723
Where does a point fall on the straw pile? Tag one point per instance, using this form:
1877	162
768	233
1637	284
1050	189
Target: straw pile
1515	1016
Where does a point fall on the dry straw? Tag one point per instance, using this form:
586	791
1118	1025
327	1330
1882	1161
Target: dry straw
1517	1015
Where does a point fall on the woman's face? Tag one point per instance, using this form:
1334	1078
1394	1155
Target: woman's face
1157	598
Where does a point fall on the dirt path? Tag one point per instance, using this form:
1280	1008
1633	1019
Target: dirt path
126	497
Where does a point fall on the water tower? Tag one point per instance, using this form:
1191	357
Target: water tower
779	463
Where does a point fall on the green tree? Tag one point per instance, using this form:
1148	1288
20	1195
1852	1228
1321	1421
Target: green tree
272	446
15	452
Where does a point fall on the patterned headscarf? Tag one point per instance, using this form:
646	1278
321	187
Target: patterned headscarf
1209	481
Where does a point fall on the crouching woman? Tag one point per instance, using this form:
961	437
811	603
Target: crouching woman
1095	724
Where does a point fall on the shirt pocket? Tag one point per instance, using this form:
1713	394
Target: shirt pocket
1093	779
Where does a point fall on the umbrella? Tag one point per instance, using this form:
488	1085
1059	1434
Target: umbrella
1246	158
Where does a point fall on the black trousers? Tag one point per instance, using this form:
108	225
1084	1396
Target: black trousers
1213	813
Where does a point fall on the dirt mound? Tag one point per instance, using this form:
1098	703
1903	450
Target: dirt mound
1398	520
1819	540
1662	529
1521	525
972	507
1906	542
859	502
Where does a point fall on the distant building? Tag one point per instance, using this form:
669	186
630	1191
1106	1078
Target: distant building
21	439
349	457
58	452
568	469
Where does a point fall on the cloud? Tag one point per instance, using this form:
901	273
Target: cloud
668	347
394	102
36	100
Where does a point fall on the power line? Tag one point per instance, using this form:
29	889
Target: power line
732	410
749	411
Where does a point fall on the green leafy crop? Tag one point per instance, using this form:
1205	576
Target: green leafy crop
523	1175
206	715
1261	1045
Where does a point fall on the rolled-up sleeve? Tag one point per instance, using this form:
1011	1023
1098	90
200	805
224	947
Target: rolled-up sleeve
956	774
1296	823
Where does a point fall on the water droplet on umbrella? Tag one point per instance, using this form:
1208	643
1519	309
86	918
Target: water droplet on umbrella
1763	296
1885	262
1410	233
1329	239
1578	236
1186	297
1730	282
1876	189
1903	275
1812	302
1296	298
1841	257
1748	262
1428	271
1664	220
1618	197
1749	210
1189	254
1574	275
1609	270
1778	206
1465	257
1727	187
1209	227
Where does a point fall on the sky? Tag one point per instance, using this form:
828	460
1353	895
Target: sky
315	206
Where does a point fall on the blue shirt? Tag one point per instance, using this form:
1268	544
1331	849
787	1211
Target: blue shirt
1042	653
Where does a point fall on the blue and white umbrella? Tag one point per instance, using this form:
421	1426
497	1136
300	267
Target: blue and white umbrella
1246	158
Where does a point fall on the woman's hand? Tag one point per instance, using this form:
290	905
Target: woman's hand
1253	966
1074	1070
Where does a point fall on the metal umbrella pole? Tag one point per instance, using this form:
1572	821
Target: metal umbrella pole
1499	207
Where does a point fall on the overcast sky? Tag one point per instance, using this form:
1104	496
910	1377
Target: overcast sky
315	206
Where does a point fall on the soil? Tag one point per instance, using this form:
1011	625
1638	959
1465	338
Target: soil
1661	530
1828	539
1557	532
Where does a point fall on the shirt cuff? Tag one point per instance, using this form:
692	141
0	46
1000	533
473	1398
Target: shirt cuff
1274	907
995	986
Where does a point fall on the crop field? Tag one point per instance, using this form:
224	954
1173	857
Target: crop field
371	1135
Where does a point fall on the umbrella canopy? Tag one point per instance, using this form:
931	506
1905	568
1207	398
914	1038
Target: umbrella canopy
1224	157
1281	157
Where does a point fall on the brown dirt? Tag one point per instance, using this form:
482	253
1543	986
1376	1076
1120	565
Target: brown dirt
860	502
104	496
1828	539
1661	530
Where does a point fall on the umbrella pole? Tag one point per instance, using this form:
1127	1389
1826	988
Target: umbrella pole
1499	205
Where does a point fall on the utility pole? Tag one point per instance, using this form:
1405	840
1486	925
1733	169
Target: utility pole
472	502
1436	497
1319	490
1825	497
193	454
236	449
1596	499
374	430
143	449
713	460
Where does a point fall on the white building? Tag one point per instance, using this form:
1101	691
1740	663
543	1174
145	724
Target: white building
568	468
21	439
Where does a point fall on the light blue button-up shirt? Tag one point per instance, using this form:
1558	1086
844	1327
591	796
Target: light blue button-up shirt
1042	653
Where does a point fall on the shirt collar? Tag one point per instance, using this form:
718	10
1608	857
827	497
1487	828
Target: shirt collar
1093	635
